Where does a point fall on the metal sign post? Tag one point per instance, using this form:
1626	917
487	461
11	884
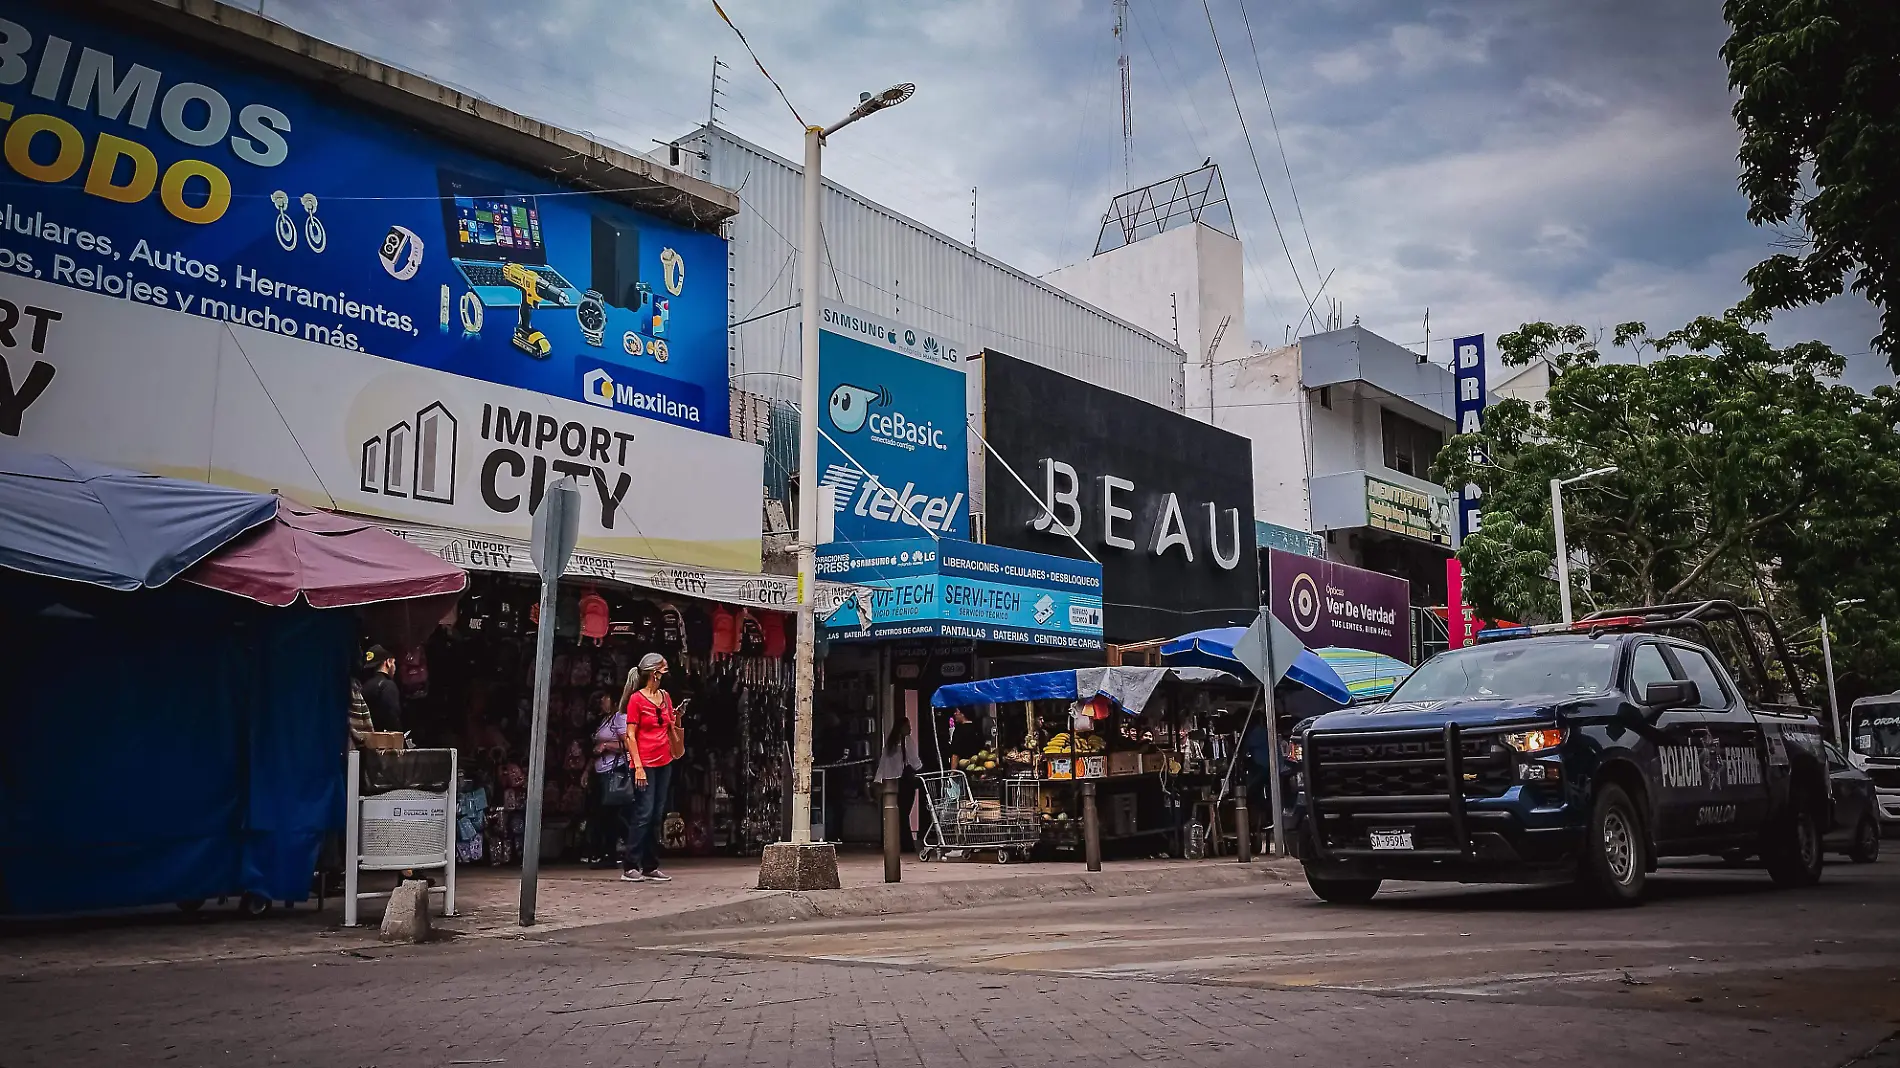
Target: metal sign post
557	525
1268	649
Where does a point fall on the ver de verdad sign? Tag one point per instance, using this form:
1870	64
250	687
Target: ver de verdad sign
1334	605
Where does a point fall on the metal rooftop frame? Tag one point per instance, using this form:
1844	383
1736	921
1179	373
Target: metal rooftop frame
1195	196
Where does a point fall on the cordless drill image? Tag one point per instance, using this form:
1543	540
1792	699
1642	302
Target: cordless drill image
535	291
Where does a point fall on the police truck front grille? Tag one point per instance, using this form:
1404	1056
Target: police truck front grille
1402	779
1407	766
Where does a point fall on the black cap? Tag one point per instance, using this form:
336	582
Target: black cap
373	657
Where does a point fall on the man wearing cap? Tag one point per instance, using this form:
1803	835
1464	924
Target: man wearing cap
379	689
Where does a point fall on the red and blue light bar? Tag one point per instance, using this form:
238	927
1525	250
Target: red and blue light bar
1582	626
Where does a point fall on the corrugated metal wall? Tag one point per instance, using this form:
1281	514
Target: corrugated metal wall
890	265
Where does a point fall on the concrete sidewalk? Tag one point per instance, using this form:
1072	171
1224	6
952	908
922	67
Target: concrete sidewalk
705	894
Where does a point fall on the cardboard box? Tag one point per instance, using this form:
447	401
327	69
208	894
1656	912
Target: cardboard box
1058	768
382	739
1092	767
1155	762
1124	763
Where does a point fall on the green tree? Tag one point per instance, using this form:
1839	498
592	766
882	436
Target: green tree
1744	473
1819	111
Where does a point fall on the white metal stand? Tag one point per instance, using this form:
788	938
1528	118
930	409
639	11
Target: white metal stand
407	845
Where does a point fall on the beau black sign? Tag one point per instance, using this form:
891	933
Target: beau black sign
1163	501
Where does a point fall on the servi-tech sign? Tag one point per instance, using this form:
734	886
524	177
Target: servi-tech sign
894	443
205	189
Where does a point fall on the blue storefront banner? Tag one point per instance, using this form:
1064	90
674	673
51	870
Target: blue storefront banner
1468	366
894	447
160	176
961	589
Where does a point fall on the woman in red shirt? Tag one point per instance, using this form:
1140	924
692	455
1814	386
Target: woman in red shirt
649	717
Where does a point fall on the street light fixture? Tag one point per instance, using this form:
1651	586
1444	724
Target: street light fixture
1827	658
794	866
1557	519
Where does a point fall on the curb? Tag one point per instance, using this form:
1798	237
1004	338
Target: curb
898	899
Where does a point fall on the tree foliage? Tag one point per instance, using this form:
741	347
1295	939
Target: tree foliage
1819	111
1743	472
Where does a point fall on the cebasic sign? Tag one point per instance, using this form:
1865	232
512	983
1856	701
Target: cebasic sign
158	177
895	447
1163	501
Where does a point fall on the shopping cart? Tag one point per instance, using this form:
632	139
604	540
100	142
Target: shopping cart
977	817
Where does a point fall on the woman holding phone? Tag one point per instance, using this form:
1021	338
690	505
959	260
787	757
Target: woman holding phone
651	721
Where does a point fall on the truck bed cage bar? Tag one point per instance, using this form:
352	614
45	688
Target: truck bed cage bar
1695	616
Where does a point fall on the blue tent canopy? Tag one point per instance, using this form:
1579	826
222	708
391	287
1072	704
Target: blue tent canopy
1129	687
84	522
1215	648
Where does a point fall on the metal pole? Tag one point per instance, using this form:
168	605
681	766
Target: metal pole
811	248
1563	554
1273	782
1833	701
1243	829
1091	827
455	820
352	835
893	859
537	752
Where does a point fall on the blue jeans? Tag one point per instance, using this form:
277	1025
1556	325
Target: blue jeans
646	816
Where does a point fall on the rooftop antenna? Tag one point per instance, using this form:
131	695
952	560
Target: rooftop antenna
1426	356
713	106
973	216
1128	113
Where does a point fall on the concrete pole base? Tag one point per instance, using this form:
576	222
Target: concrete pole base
799	866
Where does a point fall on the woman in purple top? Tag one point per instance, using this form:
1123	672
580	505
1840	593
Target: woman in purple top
606	824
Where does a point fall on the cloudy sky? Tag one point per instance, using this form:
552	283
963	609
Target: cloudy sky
1495	161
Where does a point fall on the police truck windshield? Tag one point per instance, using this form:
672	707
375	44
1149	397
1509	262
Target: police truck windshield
1542	667
1876	730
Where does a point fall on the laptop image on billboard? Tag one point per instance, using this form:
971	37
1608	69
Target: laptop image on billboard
488	229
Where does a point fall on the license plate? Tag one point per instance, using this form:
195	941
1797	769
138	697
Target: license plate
1391	839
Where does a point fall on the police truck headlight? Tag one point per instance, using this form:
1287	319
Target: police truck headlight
1535	741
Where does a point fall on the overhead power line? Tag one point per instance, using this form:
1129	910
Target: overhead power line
1277	139
1272	213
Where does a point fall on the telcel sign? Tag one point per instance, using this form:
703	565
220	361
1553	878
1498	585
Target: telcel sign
894	443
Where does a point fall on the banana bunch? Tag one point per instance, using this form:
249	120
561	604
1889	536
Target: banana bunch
1065	744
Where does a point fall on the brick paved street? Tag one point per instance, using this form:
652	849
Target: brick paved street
521	1003
1212	978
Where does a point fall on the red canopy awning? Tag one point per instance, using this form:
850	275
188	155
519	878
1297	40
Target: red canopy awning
329	560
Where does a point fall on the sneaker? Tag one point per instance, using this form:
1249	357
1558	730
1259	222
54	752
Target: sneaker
657	876
633	877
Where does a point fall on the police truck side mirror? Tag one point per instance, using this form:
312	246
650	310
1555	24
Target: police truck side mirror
1661	695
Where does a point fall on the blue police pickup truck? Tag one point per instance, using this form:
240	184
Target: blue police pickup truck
1571	753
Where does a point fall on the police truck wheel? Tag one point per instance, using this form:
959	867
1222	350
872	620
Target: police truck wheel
1615	860
1342	891
1866	848
1794	850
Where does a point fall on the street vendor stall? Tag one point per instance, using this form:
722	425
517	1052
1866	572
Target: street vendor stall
1176	733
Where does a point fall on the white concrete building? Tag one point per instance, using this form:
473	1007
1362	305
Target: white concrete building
1345	424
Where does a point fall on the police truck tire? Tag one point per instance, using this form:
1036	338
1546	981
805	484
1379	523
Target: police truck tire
1342	891
1615	859
1866	848
1794	846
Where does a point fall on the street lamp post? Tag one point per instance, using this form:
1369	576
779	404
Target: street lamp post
801	864
1827	658
1557	519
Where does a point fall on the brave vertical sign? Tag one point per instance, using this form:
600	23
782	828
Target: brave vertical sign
1468	365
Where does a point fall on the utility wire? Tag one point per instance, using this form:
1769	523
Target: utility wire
755	62
1220	54
1261	71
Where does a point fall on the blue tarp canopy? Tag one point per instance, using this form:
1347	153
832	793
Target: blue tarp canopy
1215	648
1129	687
84	522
